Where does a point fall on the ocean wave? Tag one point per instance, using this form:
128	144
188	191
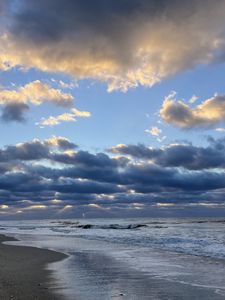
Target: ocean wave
99	226
60	230
26	228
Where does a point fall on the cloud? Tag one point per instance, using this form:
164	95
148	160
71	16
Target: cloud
186	156
14	112
219	129
3	206
53	121
35	92
66	117
125	44
138	151
66	85
35	150
155	131
15	102
193	99
47	176
78	113
61	142
205	115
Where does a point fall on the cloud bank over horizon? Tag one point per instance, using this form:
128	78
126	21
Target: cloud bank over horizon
57	178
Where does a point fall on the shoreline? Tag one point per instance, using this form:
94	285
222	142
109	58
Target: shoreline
24	275
91	274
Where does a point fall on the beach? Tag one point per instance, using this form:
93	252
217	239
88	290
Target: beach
22	272
133	259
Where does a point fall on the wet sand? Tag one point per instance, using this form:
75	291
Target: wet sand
22	272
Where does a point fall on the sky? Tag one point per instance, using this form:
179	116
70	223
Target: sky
112	108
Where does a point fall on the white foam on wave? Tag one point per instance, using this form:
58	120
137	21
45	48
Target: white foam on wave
203	237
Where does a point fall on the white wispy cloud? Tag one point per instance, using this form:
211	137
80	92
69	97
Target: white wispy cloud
155	131
65	117
193	99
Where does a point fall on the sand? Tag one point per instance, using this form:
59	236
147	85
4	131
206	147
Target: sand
22	272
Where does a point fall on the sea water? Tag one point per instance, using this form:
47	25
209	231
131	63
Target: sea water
113	258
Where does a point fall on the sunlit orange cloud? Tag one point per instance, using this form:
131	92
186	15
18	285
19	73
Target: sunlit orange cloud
56	201
37	206
207	114
65	208
165	204
94	205
35	92
4	206
98	207
145	50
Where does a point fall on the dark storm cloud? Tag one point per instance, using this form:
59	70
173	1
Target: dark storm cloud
97	16
99	160
60	142
155	178
14	112
66	144
150	177
3	6
124	43
138	151
35	150
50	20
179	155
175	175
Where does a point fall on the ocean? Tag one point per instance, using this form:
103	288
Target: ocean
141	258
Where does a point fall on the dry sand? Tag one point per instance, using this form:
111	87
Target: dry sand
22	272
